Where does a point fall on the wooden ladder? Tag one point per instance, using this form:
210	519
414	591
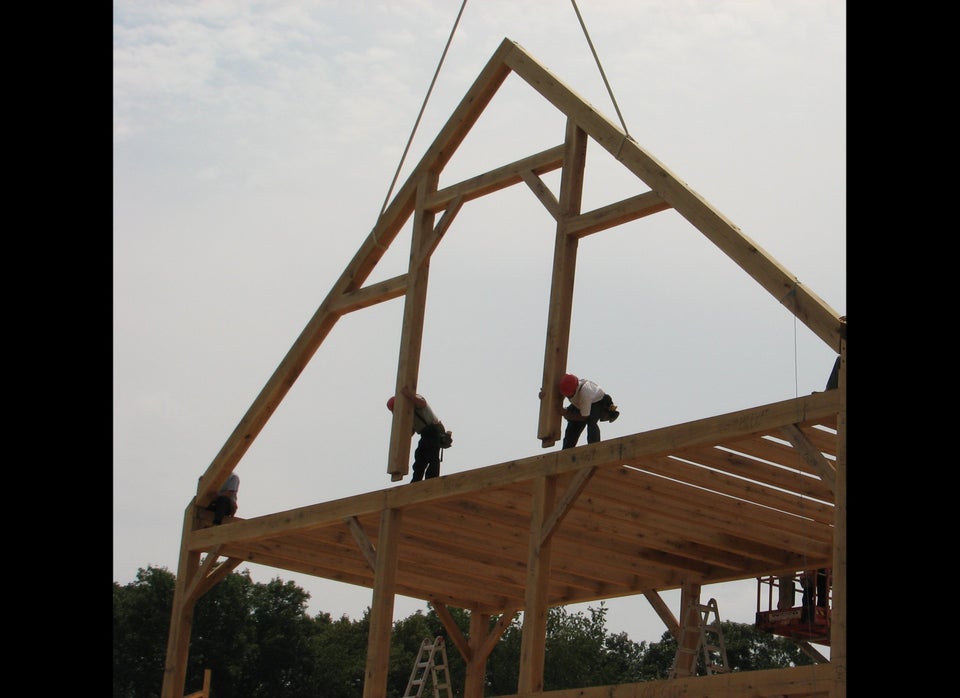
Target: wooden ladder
431	662
711	639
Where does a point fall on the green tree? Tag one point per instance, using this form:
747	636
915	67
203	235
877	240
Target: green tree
578	653
259	641
282	631
339	651
254	638
141	620
747	648
223	638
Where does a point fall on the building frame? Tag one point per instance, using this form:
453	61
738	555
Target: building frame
747	494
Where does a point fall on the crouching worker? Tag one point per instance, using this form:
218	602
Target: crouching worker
225	503
589	405
433	436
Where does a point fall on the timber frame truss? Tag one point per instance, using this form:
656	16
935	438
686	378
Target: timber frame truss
735	496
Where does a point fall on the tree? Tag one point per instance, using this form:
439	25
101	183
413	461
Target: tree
339	651
747	648
141	620
578	653
254	638
259	641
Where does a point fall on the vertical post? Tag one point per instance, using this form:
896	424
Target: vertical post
538	580
477	664
181	615
381	613
838	614
411	333
561	285
688	642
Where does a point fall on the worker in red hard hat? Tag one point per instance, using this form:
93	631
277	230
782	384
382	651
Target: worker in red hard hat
589	405
426	457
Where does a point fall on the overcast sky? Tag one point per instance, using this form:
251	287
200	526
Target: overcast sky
255	144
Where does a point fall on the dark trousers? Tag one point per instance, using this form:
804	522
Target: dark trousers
808	584
426	459
822	588
574	428
222	506
834	380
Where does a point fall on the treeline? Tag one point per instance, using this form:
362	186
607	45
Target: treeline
259	642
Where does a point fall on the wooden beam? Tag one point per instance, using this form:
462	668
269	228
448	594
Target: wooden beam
666	615
805	305
688	642
181	613
474	682
497	179
615	214
838	613
535	609
205	692
209	576
811	652
810	681
370	295
453	630
381	612
432	241
363	542
207	564
561	287
657	442
411	333
542	192
737	487
827	472
580	480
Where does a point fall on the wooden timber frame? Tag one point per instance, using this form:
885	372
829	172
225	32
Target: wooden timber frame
735	496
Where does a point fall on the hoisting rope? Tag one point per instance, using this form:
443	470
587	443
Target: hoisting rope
422	108
600	68
443	56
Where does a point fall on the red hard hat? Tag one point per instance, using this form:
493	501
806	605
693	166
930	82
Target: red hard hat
568	384
390	403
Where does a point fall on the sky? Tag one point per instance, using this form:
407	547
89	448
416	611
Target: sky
256	143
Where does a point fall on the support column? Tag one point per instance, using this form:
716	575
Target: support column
561	286
534	639
685	661
477	663
838	614
181	615
381	613
411	332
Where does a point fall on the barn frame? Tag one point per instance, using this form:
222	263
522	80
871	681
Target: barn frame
753	493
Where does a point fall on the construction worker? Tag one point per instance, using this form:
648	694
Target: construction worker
589	405
426	458
788	592
808	583
226	502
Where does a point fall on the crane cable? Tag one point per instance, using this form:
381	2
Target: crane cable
422	108
433	82
600	68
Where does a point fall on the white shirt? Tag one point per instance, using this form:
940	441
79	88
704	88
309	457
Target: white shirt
230	487
422	416
587	393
